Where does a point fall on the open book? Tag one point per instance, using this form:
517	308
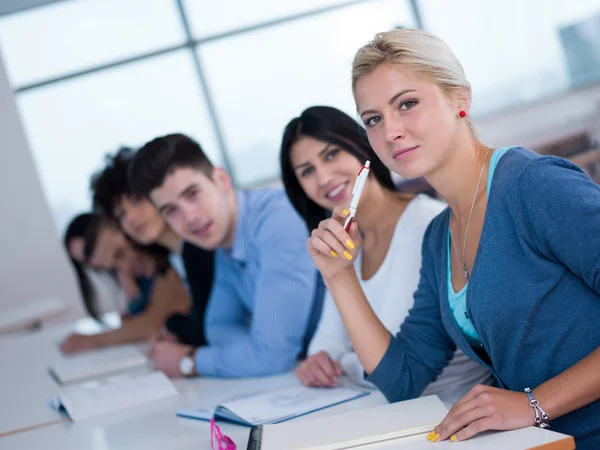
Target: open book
97	363
402	425
275	406
30	313
113	394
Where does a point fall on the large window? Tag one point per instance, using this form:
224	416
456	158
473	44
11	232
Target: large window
511	50
275	73
93	75
73	124
65	37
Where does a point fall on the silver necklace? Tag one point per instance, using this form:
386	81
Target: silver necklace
462	260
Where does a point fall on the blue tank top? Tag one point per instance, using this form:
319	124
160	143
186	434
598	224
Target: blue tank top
457	300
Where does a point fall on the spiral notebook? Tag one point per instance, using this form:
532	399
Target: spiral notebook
274	406
396	426
352	429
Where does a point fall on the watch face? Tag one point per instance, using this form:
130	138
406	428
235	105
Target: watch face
186	365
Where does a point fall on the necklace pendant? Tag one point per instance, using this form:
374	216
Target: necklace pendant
465	273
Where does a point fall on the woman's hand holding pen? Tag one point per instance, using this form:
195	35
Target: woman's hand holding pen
333	250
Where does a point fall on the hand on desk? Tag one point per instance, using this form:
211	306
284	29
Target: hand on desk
166	356
78	343
319	370
484	408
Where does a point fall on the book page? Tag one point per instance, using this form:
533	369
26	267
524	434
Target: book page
280	405
113	394
97	363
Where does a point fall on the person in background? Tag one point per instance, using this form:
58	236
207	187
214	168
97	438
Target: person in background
267	296
153	290
141	222
510	271
322	152
74	244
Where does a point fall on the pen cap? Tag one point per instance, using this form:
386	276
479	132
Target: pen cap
362	177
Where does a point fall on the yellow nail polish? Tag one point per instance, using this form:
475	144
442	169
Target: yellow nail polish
453	437
436	437
430	435
350	244
347	255
345	212
334	254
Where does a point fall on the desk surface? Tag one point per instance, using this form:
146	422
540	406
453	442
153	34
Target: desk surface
25	386
150	426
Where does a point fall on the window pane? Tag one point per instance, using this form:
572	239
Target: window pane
74	35
226	15
261	80
521	58
72	125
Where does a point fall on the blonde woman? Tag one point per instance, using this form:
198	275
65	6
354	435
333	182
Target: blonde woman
321	154
510	271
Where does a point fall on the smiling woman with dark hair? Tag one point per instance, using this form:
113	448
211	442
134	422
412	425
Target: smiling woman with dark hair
322	152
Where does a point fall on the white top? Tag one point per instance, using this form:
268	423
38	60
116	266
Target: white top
390	294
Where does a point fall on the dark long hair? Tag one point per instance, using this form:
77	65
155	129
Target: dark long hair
335	127
78	228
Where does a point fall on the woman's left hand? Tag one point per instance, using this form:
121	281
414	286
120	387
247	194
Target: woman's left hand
484	408
78	343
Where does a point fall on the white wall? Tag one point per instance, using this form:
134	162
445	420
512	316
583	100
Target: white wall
32	262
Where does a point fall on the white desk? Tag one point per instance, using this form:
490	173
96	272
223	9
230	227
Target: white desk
26	385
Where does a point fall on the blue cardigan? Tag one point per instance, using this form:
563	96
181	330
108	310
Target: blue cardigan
533	296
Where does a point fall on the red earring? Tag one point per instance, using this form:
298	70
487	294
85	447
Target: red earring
462	114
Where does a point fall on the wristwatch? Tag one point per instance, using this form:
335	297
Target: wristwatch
187	364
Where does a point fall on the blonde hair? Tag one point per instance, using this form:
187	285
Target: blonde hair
414	50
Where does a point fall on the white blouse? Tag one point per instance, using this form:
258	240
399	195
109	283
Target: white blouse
390	294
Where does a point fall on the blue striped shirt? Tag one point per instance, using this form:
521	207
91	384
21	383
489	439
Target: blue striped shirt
267	296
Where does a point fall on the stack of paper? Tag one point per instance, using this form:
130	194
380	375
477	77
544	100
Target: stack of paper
113	394
30	313
97	363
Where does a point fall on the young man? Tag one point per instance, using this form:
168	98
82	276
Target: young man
141	222
267	296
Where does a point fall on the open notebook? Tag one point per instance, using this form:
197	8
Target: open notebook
275	406
113	394
402	425
97	363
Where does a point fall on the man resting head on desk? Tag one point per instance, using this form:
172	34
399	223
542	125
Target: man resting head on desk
267	296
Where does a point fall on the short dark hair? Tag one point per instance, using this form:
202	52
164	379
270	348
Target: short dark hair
161	156
336	127
110	184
